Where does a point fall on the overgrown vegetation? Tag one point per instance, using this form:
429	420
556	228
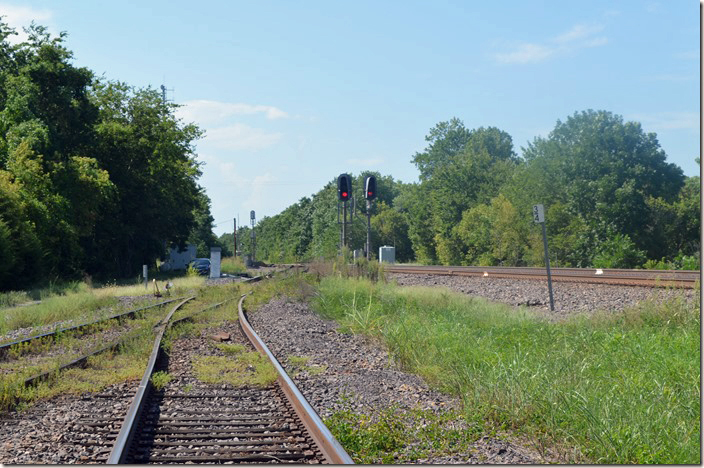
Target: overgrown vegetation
621	387
160	379
82	303
101	371
391	436
245	368
232	265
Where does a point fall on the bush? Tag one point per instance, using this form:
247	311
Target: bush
619	251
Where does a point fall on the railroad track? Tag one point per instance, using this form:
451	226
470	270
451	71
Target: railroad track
648	278
213	423
76	330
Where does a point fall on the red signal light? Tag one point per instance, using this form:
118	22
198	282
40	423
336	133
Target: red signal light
344	194
370	193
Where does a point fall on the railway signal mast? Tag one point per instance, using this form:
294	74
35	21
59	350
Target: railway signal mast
369	194
344	193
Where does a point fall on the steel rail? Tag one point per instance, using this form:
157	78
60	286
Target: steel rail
5	348
650	278
326	442
119	449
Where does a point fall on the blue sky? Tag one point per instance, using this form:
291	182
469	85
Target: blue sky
293	93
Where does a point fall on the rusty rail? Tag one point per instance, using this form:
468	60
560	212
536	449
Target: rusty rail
648	278
119	450
328	445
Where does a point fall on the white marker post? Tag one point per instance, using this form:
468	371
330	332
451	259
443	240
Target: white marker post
539	217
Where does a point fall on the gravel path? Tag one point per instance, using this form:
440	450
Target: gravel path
570	298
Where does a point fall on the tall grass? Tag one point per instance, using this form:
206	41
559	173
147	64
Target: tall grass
79	301
619	388
232	265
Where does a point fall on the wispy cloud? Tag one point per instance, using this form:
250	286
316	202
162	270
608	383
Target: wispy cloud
18	17
659	121
207	112
579	37
241	137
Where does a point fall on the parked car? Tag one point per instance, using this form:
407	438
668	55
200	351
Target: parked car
201	265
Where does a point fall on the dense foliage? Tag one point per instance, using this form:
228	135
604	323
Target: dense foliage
611	200
96	177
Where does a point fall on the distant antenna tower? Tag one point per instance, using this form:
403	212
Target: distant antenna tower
163	92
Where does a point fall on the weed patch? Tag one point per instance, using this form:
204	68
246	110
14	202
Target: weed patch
246	369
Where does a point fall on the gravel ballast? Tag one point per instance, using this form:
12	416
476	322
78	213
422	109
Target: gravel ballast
363	373
569	298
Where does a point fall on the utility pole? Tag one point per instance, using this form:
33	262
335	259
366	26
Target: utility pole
253	236
234	236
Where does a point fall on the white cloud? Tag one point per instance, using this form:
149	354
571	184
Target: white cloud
579	31
18	17
578	37
659	121
205	112
261	194
241	137
526	53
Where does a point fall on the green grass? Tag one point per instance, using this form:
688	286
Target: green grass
77	301
232	265
244	369
298	364
160	379
620	388
391	435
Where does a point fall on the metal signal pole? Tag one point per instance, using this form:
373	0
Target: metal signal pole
344	224
234	240
369	229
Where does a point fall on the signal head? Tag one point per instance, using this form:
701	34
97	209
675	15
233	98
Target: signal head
370	188
344	187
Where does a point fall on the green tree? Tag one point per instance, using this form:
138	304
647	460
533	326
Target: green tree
601	169
389	227
150	157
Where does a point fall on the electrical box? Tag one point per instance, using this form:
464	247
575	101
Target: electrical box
387	254
215	262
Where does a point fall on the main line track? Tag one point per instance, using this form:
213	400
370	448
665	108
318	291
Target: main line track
647	278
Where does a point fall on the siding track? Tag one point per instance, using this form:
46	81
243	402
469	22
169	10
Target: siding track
218	423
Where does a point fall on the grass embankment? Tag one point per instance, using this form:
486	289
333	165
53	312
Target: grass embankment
78	301
618	388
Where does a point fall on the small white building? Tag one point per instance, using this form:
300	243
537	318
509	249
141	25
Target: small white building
179	259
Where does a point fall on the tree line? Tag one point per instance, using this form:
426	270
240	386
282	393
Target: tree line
611	201
96	177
